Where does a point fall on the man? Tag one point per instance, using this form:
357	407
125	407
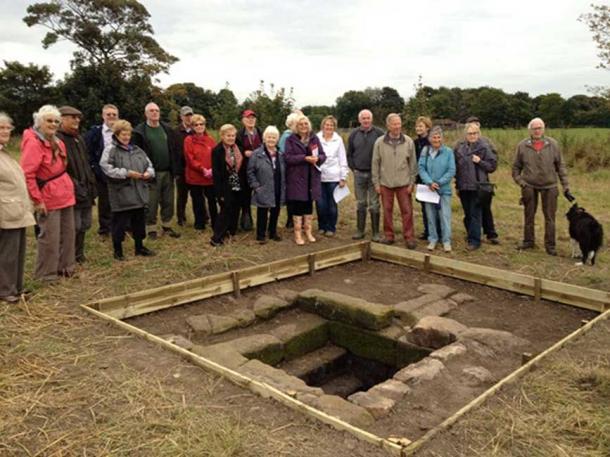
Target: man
359	156
97	139
79	169
249	138
182	192
487	218
537	168
158	141
394	171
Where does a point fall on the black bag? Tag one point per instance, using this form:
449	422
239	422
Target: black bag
485	189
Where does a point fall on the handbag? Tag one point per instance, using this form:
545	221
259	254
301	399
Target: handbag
485	189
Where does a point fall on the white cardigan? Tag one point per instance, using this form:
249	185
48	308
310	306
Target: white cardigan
334	168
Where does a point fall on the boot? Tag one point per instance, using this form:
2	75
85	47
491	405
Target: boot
118	250
360	224
246	223
308	224
375	226
80	247
297	222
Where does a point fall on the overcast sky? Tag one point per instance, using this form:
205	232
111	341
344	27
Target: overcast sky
323	48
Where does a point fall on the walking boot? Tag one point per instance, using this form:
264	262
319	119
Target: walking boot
246	223
308	227
80	247
297	223
375	226
118	251
360	224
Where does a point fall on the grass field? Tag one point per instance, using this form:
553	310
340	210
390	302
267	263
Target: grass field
70	385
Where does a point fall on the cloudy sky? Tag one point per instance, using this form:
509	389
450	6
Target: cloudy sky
323	48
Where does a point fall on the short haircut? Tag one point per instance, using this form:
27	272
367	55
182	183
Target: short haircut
5	118
536	119
121	125
365	111
45	111
472	124
197	118
151	104
424	120
226	128
271	130
301	117
291	120
391	116
331	118
436	130
109	106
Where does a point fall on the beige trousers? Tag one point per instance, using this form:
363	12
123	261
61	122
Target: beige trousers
55	255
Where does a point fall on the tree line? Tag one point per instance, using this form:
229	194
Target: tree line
117	59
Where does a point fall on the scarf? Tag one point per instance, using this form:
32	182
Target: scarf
233	163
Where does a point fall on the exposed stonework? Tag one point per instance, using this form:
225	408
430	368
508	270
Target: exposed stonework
441	290
448	352
435	332
267	306
374	403
424	370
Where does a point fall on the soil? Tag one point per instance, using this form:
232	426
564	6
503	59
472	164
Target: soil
541	323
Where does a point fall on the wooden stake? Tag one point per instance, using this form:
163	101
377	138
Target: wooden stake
311	260
537	289
236	287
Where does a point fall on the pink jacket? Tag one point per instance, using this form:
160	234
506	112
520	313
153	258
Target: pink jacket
37	162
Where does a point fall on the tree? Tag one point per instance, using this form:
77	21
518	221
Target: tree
388	101
599	24
551	108
316	114
24	89
106	32
226	109
201	100
271	107
492	107
418	104
350	104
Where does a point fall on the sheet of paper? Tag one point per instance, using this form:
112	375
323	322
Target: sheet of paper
340	193
424	194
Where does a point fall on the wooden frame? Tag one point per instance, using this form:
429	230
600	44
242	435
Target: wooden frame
115	309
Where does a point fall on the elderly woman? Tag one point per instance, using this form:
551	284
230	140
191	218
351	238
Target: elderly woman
436	170
423	124
44	161
267	178
474	160
304	155
227	163
15	216
291	120
334	173
198	171
128	169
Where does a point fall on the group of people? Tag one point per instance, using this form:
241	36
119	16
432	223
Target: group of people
137	174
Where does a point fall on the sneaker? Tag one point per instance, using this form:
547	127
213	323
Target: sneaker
423	236
447	247
411	244
431	246
358	236
181	222
170	231
152	235
551	251
329	234
321	232
261	240
145	252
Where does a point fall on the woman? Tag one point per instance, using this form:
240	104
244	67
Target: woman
334	173
198	171
423	124
474	160
290	124
44	161
267	178
227	163
304	155
15	216
436	170
128	169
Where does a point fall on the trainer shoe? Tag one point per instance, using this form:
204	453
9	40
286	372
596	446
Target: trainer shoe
447	247
431	246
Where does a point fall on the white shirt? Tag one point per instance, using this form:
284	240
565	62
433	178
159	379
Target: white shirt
334	168
107	134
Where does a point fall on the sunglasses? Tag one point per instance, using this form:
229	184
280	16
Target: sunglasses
52	121
196	124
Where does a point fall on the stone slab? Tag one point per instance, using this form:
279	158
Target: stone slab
499	341
461	297
244	317
363	343
435	332
448	352
344	410
277	378
437	308
305	334
200	324
374	403
320	360
422	371
266	348
221	324
222	354
392	389
179	341
441	290
267	306
477	376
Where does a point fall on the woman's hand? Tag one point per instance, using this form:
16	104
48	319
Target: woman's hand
311	159
434	186
248	153
342	183
476	159
41	209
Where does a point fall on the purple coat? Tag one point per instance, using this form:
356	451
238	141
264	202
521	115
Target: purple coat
298	170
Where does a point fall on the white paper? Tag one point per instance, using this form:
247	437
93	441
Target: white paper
424	194
340	193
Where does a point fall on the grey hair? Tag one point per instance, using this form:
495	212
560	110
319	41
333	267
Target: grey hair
365	111
300	117
5	118
436	130
45	111
472	124
292	119
270	130
391	116
536	119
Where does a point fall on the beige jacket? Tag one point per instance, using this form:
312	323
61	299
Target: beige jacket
15	205
394	165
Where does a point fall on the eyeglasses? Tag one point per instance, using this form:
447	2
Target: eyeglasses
110	114
472	133
52	121
537	128
6	128
196	124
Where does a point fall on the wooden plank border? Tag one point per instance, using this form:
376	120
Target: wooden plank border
514	376
255	386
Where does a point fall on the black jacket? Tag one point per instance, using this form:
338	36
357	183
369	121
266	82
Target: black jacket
175	150
94	139
79	169
221	174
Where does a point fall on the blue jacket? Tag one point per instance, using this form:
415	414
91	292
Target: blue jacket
94	140
440	170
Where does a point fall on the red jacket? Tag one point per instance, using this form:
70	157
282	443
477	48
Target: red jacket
198	158
37	163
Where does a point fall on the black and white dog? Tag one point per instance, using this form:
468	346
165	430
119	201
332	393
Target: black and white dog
586	233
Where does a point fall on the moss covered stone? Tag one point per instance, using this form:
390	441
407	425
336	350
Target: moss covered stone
364	343
307	334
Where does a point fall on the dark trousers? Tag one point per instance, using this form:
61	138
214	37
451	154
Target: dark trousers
489	228
266	222
12	261
182	196
327	208
134	218
245	200
472	215
228	217
104	213
199	195
300	208
548	197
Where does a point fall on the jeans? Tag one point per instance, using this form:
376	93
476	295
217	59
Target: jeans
472	216
327	208
443	208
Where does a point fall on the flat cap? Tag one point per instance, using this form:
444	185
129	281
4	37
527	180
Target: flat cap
186	110
69	111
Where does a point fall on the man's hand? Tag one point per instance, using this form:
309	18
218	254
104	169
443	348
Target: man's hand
378	189
248	153
146	176
434	186
476	159
568	195
134	174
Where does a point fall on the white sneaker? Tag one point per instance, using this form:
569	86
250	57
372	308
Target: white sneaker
431	246
447	247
